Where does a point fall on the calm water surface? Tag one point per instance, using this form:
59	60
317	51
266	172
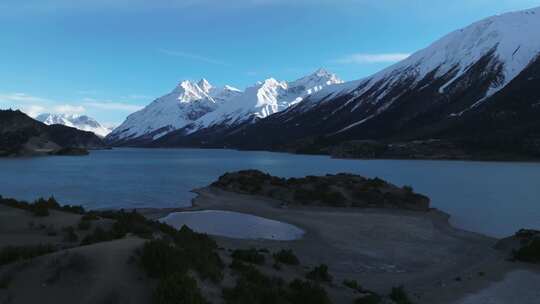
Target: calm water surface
488	197
234	225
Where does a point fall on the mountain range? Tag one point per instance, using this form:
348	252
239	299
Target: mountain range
81	122
193	107
473	93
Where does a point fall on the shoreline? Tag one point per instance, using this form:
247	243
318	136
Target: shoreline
531	160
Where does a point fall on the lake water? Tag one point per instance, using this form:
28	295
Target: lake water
234	225
488	197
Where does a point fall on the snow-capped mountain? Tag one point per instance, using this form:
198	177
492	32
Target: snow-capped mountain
192	107
502	46
185	104
264	99
475	85
81	122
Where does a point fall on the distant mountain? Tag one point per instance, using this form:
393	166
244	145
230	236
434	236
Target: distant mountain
200	107
264	99
476	88
185	104
22	135
81	122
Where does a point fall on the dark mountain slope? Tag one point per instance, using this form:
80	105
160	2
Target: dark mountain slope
22	135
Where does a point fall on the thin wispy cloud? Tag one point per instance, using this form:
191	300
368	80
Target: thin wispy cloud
69	109
21	97
32	110
35	105
137	96
110	105
191	56
363	58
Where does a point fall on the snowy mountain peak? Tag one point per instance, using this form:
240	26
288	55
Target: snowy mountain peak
315	81
323	73
198	105
204	85
81	122
185	104
269	82
230	88
266	98
510	40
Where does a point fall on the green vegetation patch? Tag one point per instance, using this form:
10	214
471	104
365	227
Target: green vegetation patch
319	274
529	253
178	288
370	298
352	284
170	259
187	250
399	296
12	254
41	206
248	255
253	287
286	256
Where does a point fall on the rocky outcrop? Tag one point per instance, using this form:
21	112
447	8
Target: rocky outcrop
339	190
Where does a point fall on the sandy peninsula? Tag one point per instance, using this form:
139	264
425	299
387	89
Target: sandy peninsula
435	262
380	248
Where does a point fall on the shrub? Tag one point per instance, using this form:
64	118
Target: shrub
307	292
375	183
201	252
100	235
253	287
40	210
72	209
160	259
133	222
286	257
319	274
12	254
239	266
189	250
399	295
84	225
90	217
333	198
40	207
352	284
178	288
529	253
371	298
248	255
408	189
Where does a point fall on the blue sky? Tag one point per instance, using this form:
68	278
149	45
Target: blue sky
108	58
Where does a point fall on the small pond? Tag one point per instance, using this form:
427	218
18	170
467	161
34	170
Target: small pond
234	225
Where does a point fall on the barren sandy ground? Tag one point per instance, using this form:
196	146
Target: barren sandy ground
98	273
435	262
